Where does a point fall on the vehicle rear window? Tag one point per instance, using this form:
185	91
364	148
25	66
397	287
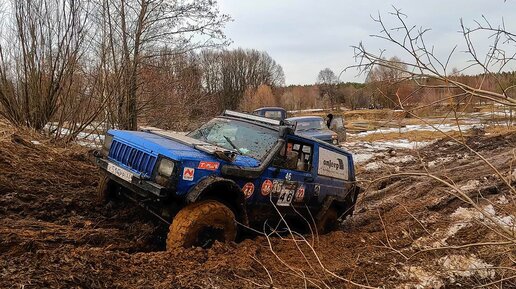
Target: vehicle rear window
310	124
273	114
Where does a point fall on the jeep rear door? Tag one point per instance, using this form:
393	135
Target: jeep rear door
333	170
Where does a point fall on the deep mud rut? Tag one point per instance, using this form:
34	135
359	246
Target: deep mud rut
53	234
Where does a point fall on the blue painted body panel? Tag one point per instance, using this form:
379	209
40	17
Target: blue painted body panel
184	155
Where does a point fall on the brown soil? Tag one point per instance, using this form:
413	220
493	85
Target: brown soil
54	234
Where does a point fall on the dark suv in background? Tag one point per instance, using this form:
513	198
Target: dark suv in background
278	113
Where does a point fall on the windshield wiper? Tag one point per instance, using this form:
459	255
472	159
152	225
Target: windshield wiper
232	144
201	132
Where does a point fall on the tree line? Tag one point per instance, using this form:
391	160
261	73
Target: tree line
75	64
93	64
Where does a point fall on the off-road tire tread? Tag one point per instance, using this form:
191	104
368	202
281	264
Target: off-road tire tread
328	221
182	227
104	191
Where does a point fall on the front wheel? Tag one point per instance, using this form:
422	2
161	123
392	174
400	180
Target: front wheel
201	224
106	190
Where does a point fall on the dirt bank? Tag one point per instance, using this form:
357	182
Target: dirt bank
53	234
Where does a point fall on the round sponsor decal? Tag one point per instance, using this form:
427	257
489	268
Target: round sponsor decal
267	187
300	193
248	190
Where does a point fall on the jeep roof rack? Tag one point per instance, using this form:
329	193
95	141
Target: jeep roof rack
252	117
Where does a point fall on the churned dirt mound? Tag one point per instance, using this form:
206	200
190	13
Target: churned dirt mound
407	232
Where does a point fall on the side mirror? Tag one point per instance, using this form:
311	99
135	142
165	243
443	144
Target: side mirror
284	131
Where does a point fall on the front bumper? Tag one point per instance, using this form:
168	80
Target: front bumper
331	141
137	184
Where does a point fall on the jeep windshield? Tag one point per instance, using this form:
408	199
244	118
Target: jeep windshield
245	138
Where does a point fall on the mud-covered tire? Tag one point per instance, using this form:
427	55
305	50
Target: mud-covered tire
191	223
105	190
328	222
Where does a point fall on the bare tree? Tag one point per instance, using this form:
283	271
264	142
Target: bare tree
40	50
255	98
422	66
426	71
386	81
228	74
136	31
327	82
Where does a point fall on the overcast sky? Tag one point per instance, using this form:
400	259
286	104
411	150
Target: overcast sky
306	36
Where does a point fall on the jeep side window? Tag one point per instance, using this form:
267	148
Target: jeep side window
294	156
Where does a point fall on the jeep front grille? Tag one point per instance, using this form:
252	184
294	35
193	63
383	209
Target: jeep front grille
133	158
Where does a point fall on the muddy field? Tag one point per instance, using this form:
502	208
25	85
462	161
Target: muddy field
407	232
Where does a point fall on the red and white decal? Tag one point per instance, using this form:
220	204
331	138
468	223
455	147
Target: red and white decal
267	187
188	174
248	190
210	166
300	193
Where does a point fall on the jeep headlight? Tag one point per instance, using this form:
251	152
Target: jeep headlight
165	170
335	139
166	167
106	146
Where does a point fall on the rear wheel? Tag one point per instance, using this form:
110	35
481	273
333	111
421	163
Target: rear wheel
106	190
328	222
201	224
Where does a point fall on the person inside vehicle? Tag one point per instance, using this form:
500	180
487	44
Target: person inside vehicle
288	158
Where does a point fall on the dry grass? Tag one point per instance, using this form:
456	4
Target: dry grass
411	136
431	135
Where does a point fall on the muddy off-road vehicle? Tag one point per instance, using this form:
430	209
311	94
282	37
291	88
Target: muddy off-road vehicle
236	171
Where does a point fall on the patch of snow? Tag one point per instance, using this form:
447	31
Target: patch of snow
426	280
439	161
401	160
463	218
440	237
445	127
491	113
470	185
362	157
364	151
502	200
373	166
447	268
471	214
465	266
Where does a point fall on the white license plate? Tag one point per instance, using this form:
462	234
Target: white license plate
120	172
285	197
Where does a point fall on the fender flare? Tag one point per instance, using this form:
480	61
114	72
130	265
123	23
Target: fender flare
351	195
204	185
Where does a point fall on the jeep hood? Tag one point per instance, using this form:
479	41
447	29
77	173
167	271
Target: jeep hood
177	147
318	134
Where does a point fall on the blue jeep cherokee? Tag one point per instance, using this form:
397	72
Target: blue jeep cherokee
237	169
